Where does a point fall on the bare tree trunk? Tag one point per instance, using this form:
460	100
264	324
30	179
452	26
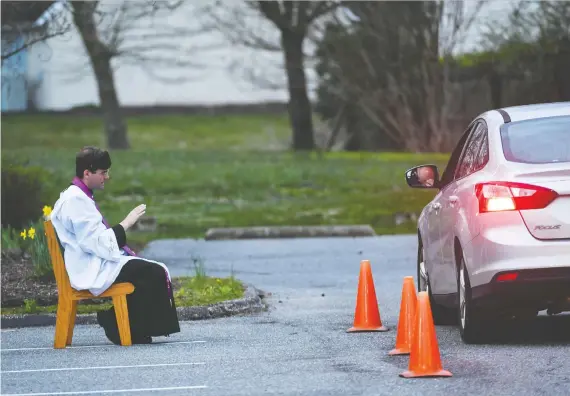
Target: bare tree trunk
300	112
115	127
100	57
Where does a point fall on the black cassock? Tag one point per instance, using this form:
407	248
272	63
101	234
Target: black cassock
152	311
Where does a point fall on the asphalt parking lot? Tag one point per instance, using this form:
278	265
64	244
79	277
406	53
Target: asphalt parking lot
299	346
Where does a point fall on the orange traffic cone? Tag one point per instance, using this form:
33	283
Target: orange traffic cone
406	322
367	315
425	360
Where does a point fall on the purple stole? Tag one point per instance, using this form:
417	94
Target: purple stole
77	182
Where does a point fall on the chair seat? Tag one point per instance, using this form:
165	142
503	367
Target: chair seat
117	289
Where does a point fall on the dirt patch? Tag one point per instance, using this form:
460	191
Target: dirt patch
19	282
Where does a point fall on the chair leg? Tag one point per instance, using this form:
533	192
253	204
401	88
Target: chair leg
122	314
71	322
62	324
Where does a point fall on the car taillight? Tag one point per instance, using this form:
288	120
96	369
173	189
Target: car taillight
502	196
507	277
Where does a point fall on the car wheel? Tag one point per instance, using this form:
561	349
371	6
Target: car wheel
470	327
441	315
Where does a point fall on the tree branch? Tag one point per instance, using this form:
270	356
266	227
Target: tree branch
53	23
272	12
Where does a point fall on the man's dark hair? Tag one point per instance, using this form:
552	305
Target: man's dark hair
91	158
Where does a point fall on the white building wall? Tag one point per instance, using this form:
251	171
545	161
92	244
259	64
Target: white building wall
66	78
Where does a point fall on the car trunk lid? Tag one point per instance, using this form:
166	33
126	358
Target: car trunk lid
552	221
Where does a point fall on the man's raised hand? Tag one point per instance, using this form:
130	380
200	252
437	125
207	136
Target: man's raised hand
133	216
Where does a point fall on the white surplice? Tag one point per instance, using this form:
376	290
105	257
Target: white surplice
92	256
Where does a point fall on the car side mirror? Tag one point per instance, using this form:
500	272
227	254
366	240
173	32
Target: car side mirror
423	176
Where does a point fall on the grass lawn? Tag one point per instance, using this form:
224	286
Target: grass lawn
198	172
163	132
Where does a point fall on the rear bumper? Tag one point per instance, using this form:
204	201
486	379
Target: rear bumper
542	267
533	289
512	248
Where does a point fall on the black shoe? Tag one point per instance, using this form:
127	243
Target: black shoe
116	339
113	337
142	340
108	323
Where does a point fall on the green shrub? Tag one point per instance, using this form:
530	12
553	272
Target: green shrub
22	194
30	306
10	238
40	253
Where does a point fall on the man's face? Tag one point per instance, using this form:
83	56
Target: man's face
96	180
426	176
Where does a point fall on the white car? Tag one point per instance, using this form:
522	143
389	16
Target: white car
494	242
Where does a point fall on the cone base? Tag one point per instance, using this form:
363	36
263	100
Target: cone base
399	351
366	329
433	374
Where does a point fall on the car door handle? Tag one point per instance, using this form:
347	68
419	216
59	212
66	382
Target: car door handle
436	206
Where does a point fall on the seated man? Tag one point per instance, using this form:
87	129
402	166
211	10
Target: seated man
96	255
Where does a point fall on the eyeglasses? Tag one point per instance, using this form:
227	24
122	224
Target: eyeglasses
103	172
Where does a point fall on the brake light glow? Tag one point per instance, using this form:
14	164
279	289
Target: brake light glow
503	196
507	277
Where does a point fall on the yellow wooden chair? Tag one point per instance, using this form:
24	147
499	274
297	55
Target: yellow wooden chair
68	297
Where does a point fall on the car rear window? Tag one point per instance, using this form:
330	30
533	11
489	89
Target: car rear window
539	141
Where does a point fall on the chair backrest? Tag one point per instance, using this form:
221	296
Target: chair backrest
61	277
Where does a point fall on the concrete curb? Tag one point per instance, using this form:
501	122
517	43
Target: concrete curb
289	232
251	302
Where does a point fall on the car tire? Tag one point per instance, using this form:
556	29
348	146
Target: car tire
470	323
441	315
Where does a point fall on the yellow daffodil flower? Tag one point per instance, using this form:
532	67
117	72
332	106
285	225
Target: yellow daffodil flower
47	210
23	234
31	232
